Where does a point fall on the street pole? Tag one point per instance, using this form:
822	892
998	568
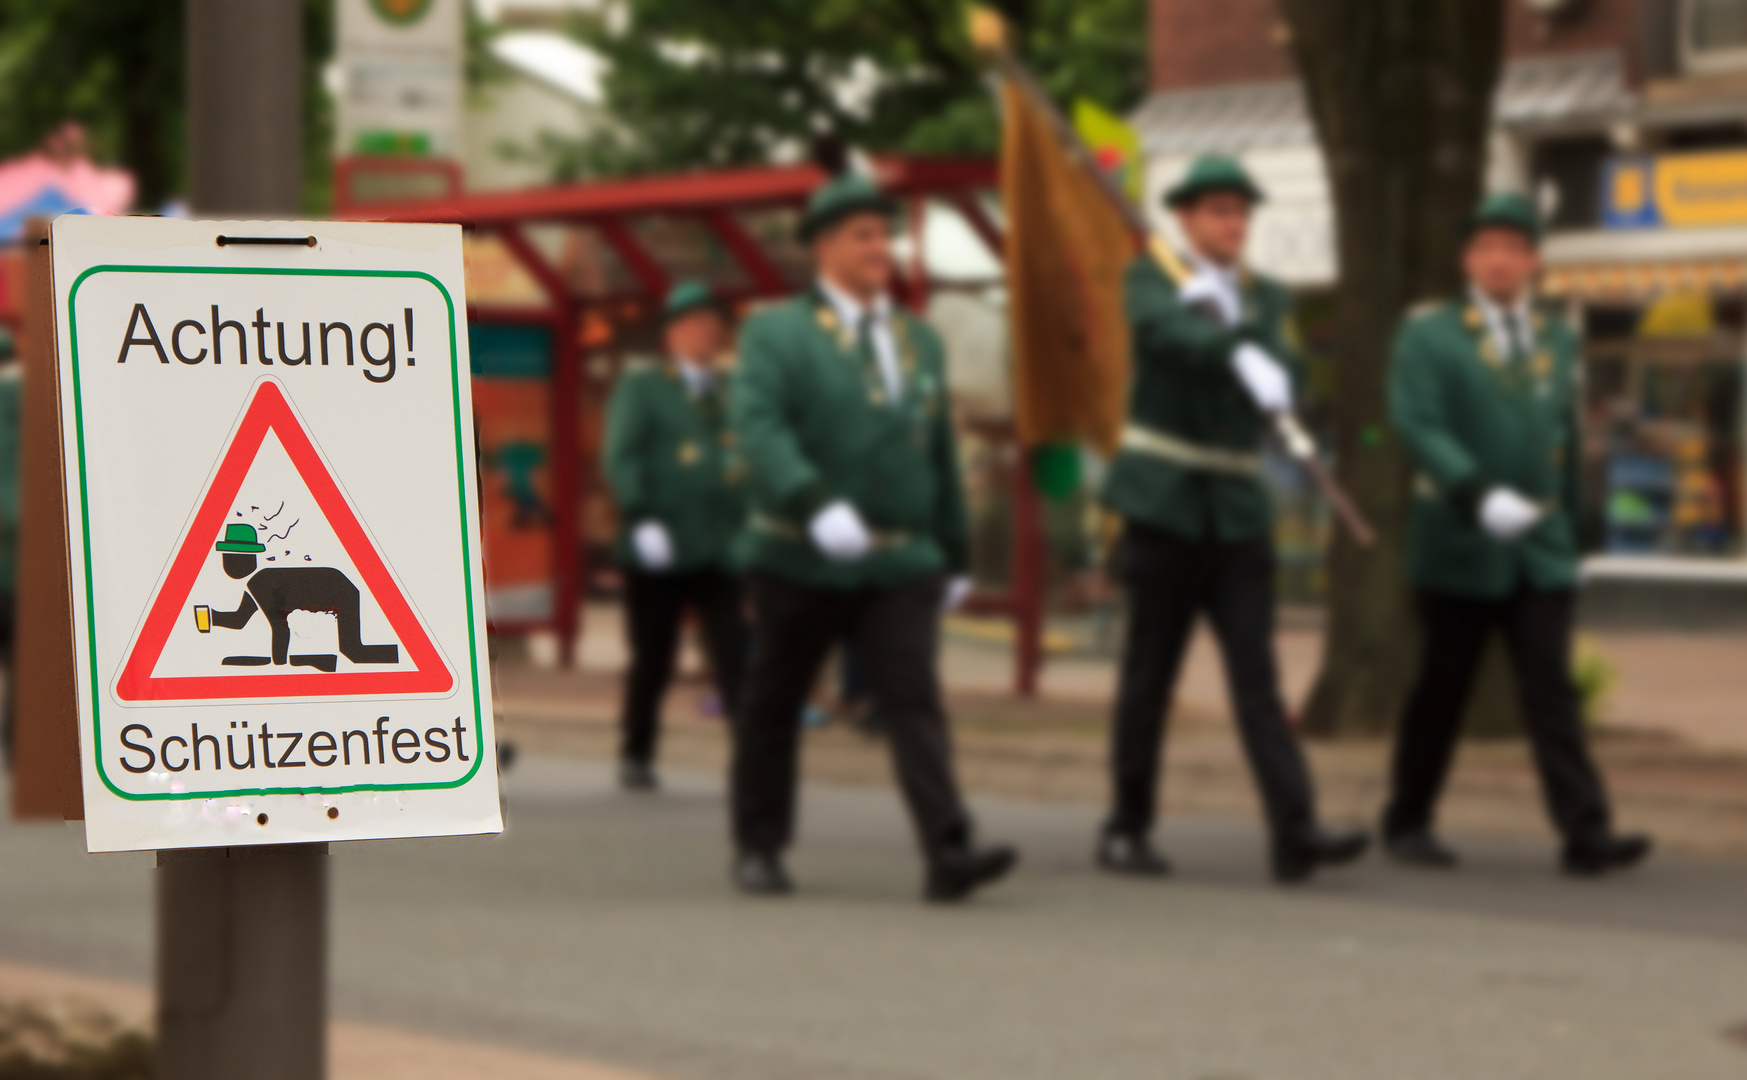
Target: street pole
242	962
242	931
244	65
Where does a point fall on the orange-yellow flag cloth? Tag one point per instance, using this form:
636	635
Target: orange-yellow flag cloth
1067	248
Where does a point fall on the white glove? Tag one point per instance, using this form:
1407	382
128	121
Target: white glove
653	546
1264	378
1206	289
958	590
840	533
1505	515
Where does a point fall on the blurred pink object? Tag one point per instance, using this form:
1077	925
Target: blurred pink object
62	166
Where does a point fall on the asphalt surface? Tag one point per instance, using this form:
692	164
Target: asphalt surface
601	926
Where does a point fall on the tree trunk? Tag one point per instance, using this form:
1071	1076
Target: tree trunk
1401	95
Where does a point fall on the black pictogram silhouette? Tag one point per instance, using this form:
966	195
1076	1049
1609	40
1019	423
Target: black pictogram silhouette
276	592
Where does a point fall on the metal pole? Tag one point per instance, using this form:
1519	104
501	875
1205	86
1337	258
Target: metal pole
242	962
568	488
242	932
244	67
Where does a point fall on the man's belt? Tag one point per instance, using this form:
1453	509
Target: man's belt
788	530
1144	440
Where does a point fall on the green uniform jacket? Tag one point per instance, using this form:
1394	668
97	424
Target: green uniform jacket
669	458
1184	389
1473	420
814	426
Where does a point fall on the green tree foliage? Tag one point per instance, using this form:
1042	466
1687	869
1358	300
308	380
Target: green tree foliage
710	83
114	67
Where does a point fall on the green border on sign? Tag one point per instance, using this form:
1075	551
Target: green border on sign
85	526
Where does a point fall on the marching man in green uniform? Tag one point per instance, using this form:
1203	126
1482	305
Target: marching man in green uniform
1484	391
1213	361
858	531
669	462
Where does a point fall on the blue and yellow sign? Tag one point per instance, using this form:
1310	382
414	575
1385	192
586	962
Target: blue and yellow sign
1675	191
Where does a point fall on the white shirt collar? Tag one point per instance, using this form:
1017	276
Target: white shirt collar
850	310
1499	320
1227	275
1226	285
697	377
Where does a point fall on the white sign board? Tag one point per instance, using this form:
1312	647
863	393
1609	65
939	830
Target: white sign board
400	64
278	612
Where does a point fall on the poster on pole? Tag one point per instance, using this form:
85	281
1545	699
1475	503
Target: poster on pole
401	87
273	532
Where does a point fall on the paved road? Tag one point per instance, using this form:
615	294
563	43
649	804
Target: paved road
599	926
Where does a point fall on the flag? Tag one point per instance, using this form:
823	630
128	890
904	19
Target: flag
1067	249
1113	143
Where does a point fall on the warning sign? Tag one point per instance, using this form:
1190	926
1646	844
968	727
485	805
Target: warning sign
278	605
275	534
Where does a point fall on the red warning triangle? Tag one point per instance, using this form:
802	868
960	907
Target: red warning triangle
269	411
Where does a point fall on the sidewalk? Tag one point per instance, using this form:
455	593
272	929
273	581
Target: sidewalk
355	1051
1673	747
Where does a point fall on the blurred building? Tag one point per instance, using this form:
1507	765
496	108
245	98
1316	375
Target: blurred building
543	101
1627	119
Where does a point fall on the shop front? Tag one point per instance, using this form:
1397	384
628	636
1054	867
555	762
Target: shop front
1660	295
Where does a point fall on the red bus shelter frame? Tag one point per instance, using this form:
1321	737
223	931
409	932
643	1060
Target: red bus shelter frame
715	200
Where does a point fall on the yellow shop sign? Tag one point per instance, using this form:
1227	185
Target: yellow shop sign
1675	191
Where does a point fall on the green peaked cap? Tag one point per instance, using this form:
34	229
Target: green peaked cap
240	539
1212	172
686	297
839	198
1507	211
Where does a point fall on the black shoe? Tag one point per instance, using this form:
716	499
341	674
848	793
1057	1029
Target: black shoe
1297	856
1420	848
955	874
638	776
1135	856
759	874
1594	857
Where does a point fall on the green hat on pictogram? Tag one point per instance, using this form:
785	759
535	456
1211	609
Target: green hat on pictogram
240	539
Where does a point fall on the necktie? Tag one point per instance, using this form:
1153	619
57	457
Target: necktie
870	358
1518	327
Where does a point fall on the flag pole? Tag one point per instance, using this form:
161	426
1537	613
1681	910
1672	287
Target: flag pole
988	34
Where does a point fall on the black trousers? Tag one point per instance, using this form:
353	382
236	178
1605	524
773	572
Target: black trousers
1171	581
655	608
1537	627
895	634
